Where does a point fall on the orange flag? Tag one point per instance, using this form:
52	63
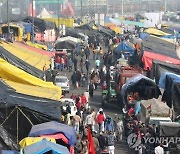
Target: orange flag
91	149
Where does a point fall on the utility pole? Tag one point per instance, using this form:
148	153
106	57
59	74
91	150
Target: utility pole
165	6
8	17
122	8
33	21
81	11
58	16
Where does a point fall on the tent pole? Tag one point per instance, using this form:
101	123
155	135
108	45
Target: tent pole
17	126
26	116
8	116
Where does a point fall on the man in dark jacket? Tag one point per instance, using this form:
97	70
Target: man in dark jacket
75	64
87	52
102	141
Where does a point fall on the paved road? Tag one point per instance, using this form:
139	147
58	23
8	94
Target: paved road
95	102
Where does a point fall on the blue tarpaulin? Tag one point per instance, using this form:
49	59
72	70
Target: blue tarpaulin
8	152
53	127
162	81
45	146
143	35
124	47
27	27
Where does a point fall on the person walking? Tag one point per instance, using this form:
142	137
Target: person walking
87	63
88	121
69	64
93	114
110	142
73	80
91	89
75	64
83	100
86	94
77	122
109	124
100	121
102	141
87	52
81	65
97	63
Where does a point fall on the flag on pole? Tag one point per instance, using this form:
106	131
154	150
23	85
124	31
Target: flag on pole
91	149
149	109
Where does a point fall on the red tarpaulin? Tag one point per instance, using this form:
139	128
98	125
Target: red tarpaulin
149	56
68	11
91	149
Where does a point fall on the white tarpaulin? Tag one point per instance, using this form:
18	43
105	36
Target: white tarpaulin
152	19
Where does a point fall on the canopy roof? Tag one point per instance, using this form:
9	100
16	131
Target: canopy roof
52	128
156	32
46	146
67	38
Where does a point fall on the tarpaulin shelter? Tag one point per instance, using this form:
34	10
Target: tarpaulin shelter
35	59
65	45
116	29
45	146
159	67
12	59
68	11
31	140
176	99
145	86
124	46
67	38
53	127
148	58
159	46
25	83
167	81
19	112
143	35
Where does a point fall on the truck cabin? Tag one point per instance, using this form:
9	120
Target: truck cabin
125	73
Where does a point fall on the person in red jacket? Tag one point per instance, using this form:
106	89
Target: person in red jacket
83	100
100	120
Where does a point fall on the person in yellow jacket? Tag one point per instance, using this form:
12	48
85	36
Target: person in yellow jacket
101	52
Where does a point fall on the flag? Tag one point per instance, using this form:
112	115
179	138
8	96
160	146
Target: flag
149	109
91	149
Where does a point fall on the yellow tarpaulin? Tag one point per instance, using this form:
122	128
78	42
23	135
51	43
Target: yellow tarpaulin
157	32
25	83
36	45
31	140
35	59
115	28
68	22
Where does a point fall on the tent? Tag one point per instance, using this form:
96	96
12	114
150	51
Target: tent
69	45
159	46
156	32
124	46
52	128
44	14
45	146
146	87
148	58
67	38
168	81
12	59
19	112
176	99
158	67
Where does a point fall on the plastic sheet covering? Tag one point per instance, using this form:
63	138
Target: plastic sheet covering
8	152
31	140
18	79
176	98
156	32
12	59
158	108
35	59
